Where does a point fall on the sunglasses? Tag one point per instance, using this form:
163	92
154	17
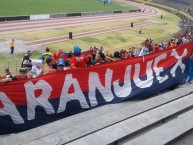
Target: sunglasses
60	65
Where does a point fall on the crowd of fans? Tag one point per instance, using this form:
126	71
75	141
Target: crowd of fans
60	61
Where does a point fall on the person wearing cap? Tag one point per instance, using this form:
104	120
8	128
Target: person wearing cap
8	74
58	55
61	65
48	68
26	58
45	55
78	60
22	75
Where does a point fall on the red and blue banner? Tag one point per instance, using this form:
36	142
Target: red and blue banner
30	103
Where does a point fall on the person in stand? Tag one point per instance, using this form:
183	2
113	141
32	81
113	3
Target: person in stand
116	55
22	75
1	76
78	60
94	53
28	68
12	46
101	58
8	74
70	55
128	54
61	65
156	48
58	55
26	59
48	68
45	55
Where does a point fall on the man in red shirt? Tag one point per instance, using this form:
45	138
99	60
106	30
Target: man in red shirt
156	48
58	55
22	75
78	60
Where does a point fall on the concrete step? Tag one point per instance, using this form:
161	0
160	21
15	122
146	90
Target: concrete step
74	127
185	139
167	132
136	124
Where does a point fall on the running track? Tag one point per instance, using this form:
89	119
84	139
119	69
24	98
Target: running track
24	26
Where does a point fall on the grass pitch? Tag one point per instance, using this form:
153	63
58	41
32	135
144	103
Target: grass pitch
27	7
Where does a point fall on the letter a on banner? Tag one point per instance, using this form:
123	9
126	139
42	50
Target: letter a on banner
66	97
42	100
10	109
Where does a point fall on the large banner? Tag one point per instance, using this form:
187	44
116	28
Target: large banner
30	103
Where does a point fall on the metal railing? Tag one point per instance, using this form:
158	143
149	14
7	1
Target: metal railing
61	15
13	66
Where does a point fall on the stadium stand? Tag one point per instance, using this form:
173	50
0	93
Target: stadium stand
178	4
128	123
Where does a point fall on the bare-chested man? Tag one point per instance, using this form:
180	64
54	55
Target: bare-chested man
48	68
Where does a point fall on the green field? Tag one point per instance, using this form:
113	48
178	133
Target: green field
27	7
